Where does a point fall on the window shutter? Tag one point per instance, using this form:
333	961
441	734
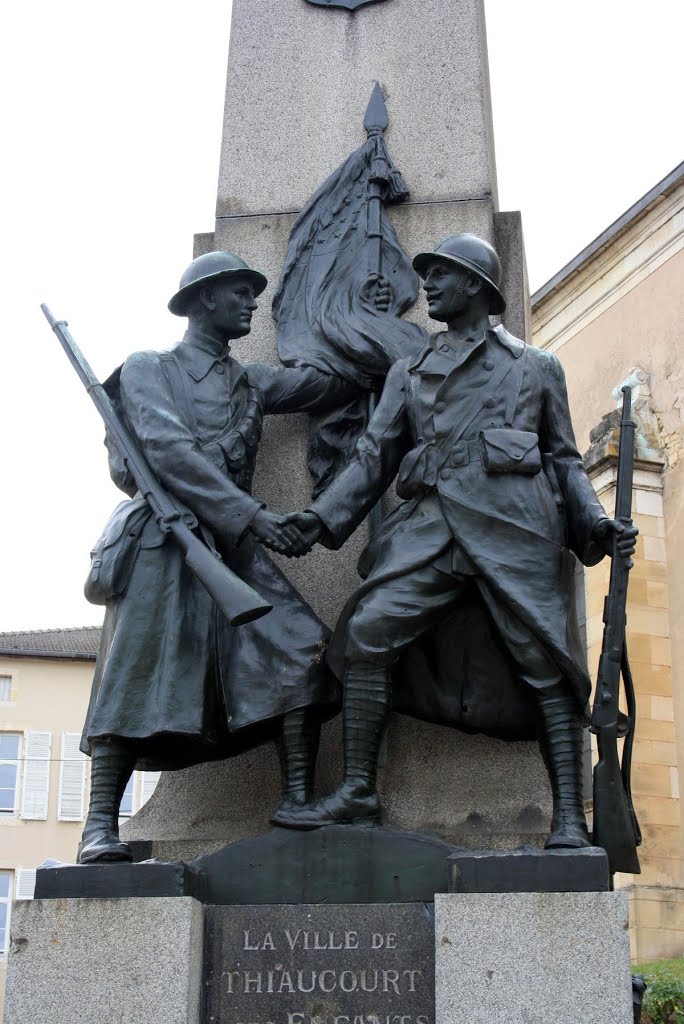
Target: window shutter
34	799
148	784
26	884
71	779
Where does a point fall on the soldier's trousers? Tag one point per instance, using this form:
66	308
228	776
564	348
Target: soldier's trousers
396	612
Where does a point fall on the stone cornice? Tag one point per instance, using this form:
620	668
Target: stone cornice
628	256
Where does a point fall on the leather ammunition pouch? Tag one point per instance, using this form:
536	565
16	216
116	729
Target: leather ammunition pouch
504	450
418	471
113	557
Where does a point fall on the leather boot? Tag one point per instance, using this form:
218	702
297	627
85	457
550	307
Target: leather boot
112	762
562	744
365	713
297	749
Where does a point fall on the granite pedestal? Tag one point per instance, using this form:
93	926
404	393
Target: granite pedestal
468	958
532	957
105	961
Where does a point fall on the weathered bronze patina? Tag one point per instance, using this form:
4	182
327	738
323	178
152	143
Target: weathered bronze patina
175	684
477	431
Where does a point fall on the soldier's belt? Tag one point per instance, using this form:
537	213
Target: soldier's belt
499	449
462	453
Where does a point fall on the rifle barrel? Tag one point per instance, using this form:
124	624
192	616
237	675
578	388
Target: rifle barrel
238	601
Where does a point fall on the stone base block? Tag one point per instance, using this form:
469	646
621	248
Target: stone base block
105	961
332	865
529	870
117	880
533	957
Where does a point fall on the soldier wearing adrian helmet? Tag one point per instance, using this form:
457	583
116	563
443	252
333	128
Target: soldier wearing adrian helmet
478	432
174	683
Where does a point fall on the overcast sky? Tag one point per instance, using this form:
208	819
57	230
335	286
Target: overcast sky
111	129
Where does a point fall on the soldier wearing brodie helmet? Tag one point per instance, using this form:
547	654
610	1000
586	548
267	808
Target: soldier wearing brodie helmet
477	431
174	684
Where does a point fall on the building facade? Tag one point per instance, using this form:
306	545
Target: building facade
45	679
614	314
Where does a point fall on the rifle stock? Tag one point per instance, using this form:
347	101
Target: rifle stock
239	602
613	813
615	825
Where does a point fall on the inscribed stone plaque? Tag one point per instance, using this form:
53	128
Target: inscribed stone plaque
318	964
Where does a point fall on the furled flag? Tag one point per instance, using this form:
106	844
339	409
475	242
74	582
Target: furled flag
324	303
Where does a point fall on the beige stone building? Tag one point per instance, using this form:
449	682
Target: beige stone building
45	679
616	312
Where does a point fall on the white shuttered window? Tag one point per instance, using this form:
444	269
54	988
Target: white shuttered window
25	884
71	779
34	798
5	909
148	784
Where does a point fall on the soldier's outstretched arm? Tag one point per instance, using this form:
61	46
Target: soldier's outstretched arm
372	467
300	389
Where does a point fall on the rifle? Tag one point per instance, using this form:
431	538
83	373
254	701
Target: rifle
235	598
616	828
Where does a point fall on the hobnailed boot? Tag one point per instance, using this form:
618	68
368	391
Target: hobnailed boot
298	750
112	762
365	713
561	743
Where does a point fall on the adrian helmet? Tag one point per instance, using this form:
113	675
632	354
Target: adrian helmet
208	267
473	254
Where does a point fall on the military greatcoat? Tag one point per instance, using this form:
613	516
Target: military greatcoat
171	673
479	433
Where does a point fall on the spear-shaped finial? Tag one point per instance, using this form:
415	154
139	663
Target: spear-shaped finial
375	122
376	119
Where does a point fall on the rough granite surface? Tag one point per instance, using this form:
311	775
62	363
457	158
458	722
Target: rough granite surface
434	779
299	80
532	958
129	961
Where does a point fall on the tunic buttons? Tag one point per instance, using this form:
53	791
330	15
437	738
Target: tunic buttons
489	403
488	364
439	407
219	368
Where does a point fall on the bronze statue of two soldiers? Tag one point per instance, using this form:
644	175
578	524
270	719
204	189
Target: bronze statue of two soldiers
475	427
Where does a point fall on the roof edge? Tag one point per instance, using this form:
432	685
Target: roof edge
14	652
666	185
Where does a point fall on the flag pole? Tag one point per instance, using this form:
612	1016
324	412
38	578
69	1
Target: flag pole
375	122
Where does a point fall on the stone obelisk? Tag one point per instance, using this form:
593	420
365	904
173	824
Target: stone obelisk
299	79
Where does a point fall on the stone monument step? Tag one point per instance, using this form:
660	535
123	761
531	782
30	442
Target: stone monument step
529	870
337	864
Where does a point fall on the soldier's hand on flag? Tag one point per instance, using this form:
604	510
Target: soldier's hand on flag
377	290
309	528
